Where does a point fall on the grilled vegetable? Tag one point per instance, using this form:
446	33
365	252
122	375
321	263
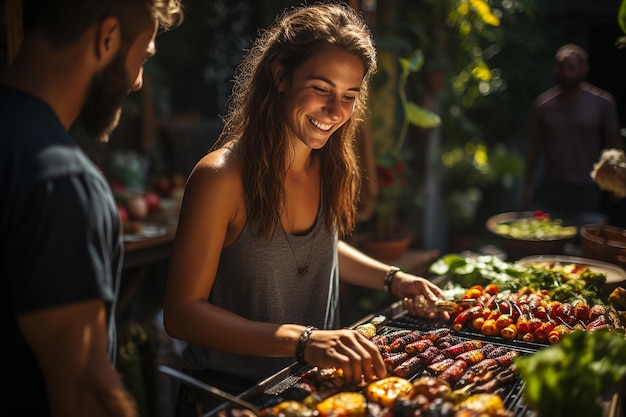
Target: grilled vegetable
489	328
392	360
462	347
490	405
412	364
472	356
386	390
431	387
453	372
618	298
400	343
368	330
509	332
557	333
503	320
418	346
440	366
407	367
343	404
288	408
468	315
383	341
437	335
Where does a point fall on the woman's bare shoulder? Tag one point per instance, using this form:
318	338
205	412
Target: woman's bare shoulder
218	171
220	164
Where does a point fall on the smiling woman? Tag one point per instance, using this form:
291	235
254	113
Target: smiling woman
265	210
322	96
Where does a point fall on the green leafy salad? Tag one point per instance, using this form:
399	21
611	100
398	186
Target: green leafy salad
538	227
563	282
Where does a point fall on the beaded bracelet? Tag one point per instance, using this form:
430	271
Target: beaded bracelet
393	270
302	342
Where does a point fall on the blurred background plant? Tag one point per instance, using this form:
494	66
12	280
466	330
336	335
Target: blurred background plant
621	21
477	55
471	171
396	197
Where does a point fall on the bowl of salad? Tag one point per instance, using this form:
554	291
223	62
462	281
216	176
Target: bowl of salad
525	233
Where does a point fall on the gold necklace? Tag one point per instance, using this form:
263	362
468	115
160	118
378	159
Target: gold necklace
304	269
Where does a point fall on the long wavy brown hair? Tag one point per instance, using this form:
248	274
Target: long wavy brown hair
255	125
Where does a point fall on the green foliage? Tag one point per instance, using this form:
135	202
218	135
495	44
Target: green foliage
569	379
393	172
621	21
413	114
487	52
471	168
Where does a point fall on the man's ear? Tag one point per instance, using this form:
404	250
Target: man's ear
278	72
109	38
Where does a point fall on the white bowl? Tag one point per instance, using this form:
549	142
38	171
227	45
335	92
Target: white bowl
615	275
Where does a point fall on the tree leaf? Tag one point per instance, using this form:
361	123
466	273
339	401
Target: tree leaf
414	63
421	116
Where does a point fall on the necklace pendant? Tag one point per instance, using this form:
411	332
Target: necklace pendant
303	270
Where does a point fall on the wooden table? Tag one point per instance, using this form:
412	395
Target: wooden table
149	250
139	257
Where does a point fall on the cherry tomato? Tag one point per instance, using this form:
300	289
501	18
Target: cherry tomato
474	292
477	323
489	328
492	289
503	320
509	332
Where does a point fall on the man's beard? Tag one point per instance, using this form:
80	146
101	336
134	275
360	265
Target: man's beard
102	109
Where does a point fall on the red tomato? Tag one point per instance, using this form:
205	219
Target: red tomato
152	200
492	289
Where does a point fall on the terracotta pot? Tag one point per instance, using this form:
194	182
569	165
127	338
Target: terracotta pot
387	250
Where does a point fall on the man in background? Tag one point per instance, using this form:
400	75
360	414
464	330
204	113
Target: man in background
572	123
60	235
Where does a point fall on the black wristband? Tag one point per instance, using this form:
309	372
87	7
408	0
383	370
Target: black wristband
393	270
302	341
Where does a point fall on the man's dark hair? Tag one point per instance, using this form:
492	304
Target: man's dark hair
64	21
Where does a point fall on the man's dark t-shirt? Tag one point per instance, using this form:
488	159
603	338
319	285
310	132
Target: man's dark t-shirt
59	232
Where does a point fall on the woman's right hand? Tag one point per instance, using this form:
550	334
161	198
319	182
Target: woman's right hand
358	357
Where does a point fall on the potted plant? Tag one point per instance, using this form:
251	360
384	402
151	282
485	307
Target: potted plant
396	184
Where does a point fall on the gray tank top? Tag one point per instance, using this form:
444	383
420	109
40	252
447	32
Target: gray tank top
258	279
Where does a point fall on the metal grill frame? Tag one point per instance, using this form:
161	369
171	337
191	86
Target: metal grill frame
268	392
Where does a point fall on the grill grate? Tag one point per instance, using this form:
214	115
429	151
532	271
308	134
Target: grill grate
282	385
407	321
511	394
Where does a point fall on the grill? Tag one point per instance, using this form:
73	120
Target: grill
283	385
512	393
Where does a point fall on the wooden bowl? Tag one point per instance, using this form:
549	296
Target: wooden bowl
603	242
519	247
